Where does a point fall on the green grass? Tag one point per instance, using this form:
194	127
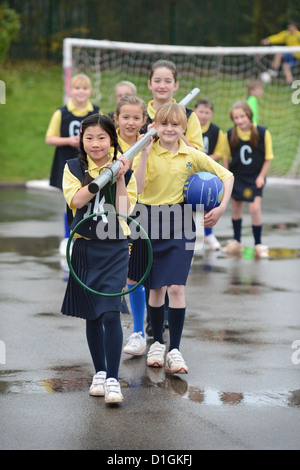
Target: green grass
35	91
24	120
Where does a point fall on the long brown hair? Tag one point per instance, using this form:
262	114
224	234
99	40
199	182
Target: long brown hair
234	139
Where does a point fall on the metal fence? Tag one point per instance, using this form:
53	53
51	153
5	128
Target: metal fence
44	23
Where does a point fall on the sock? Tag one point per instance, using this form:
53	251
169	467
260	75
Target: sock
257	229
137	303
147	292
95	335
237	229
166	317
156	315
113	341
67	230
208	231
176	322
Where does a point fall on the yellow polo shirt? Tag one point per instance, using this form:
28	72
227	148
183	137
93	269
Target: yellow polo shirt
193	131
167	172
71	185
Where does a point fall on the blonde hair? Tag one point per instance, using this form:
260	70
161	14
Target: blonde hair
170	113
81	78
234	139
131	99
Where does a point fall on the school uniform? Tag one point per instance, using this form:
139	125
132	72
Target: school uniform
246	162
100	251
212	139
193	132
66	122
165	178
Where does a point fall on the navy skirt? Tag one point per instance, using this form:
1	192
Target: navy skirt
245	190
172	236
101	265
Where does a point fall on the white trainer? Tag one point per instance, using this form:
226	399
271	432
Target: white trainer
97	387
175	363
113	391
212	242
136	344
233	247
156	355
261	251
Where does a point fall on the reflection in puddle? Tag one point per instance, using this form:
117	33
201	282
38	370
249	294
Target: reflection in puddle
284	253
76	379
268	398
29	246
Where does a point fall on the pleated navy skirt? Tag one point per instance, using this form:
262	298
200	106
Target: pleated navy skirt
101	265
172	238
245	190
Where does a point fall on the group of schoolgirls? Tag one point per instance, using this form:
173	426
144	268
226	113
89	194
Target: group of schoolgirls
156	177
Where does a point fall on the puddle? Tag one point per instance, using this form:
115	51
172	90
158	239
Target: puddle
267	398
75	379
249	336
29	246
284	253
18	205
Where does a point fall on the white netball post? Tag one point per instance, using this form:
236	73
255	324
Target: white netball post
2	352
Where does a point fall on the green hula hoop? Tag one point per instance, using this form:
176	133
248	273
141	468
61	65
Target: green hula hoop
104	294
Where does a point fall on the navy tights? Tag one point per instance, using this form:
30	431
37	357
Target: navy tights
105	339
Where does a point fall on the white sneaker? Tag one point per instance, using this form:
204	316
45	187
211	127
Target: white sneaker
156	355
63	247
113	391
175	363
212	242
261	251
97	387
136	344
233	247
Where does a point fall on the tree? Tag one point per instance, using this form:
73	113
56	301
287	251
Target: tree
9	29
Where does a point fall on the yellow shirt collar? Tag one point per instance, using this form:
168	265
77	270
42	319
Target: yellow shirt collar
124	146
205	127
151	111
161	150
244	135
93	167
88	107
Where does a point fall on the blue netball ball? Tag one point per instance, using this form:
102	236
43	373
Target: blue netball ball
203	188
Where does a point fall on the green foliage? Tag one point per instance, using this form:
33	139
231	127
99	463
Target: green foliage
192	22
9	29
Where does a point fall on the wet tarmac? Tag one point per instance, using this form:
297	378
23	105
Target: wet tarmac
241	341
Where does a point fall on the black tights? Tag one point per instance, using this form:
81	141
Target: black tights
105	340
